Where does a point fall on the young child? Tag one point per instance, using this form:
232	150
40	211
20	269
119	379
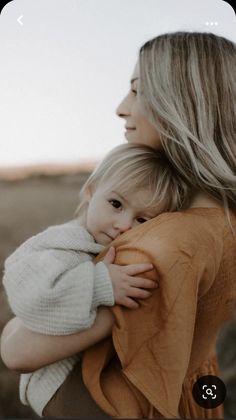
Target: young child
51	281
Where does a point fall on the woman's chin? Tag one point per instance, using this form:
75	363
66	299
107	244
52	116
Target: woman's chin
130	136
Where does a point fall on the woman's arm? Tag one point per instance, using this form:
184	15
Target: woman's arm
24	351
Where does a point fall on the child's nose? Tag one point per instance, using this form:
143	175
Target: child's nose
123	224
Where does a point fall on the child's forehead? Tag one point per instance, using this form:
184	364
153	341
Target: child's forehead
129	193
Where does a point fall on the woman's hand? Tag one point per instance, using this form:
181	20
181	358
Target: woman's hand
125	283
24	351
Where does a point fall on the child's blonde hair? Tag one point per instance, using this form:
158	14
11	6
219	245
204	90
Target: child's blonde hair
133	167
188	89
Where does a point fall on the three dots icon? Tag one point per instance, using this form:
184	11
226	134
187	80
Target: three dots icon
211	23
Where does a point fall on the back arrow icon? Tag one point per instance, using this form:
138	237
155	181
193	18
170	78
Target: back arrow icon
19	19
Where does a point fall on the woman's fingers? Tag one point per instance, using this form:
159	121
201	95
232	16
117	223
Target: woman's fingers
133	269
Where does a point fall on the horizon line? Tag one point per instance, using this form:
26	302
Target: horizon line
14	172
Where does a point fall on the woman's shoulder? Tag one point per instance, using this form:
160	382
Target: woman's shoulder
190	215
192	219
193	239
187	229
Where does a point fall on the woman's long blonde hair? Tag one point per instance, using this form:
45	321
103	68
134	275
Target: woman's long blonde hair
188	89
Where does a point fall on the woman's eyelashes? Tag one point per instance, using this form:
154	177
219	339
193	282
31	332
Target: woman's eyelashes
134	91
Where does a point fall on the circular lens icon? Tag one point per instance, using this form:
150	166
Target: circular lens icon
209	391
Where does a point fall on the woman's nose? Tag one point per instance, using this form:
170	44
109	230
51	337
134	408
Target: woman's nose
123	108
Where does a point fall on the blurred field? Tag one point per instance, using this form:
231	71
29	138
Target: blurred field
27	206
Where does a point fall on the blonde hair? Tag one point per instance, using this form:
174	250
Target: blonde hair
188	90
133	167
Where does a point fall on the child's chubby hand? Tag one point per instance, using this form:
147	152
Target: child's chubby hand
126	283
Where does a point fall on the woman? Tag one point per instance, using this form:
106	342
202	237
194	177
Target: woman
182	101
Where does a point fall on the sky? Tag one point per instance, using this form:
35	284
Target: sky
66	65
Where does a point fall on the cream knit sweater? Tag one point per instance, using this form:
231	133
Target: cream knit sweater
54	287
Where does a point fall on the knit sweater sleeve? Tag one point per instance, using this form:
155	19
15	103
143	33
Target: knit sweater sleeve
52	284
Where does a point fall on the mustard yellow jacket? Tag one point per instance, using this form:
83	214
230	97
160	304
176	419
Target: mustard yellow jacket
158	351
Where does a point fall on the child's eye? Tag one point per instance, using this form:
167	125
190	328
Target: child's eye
134	91
115	203
141	220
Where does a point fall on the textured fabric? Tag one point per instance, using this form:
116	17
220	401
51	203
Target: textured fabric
52	284
54	287
37	388
159	350
63	405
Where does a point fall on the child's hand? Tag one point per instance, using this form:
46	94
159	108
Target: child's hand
125	285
